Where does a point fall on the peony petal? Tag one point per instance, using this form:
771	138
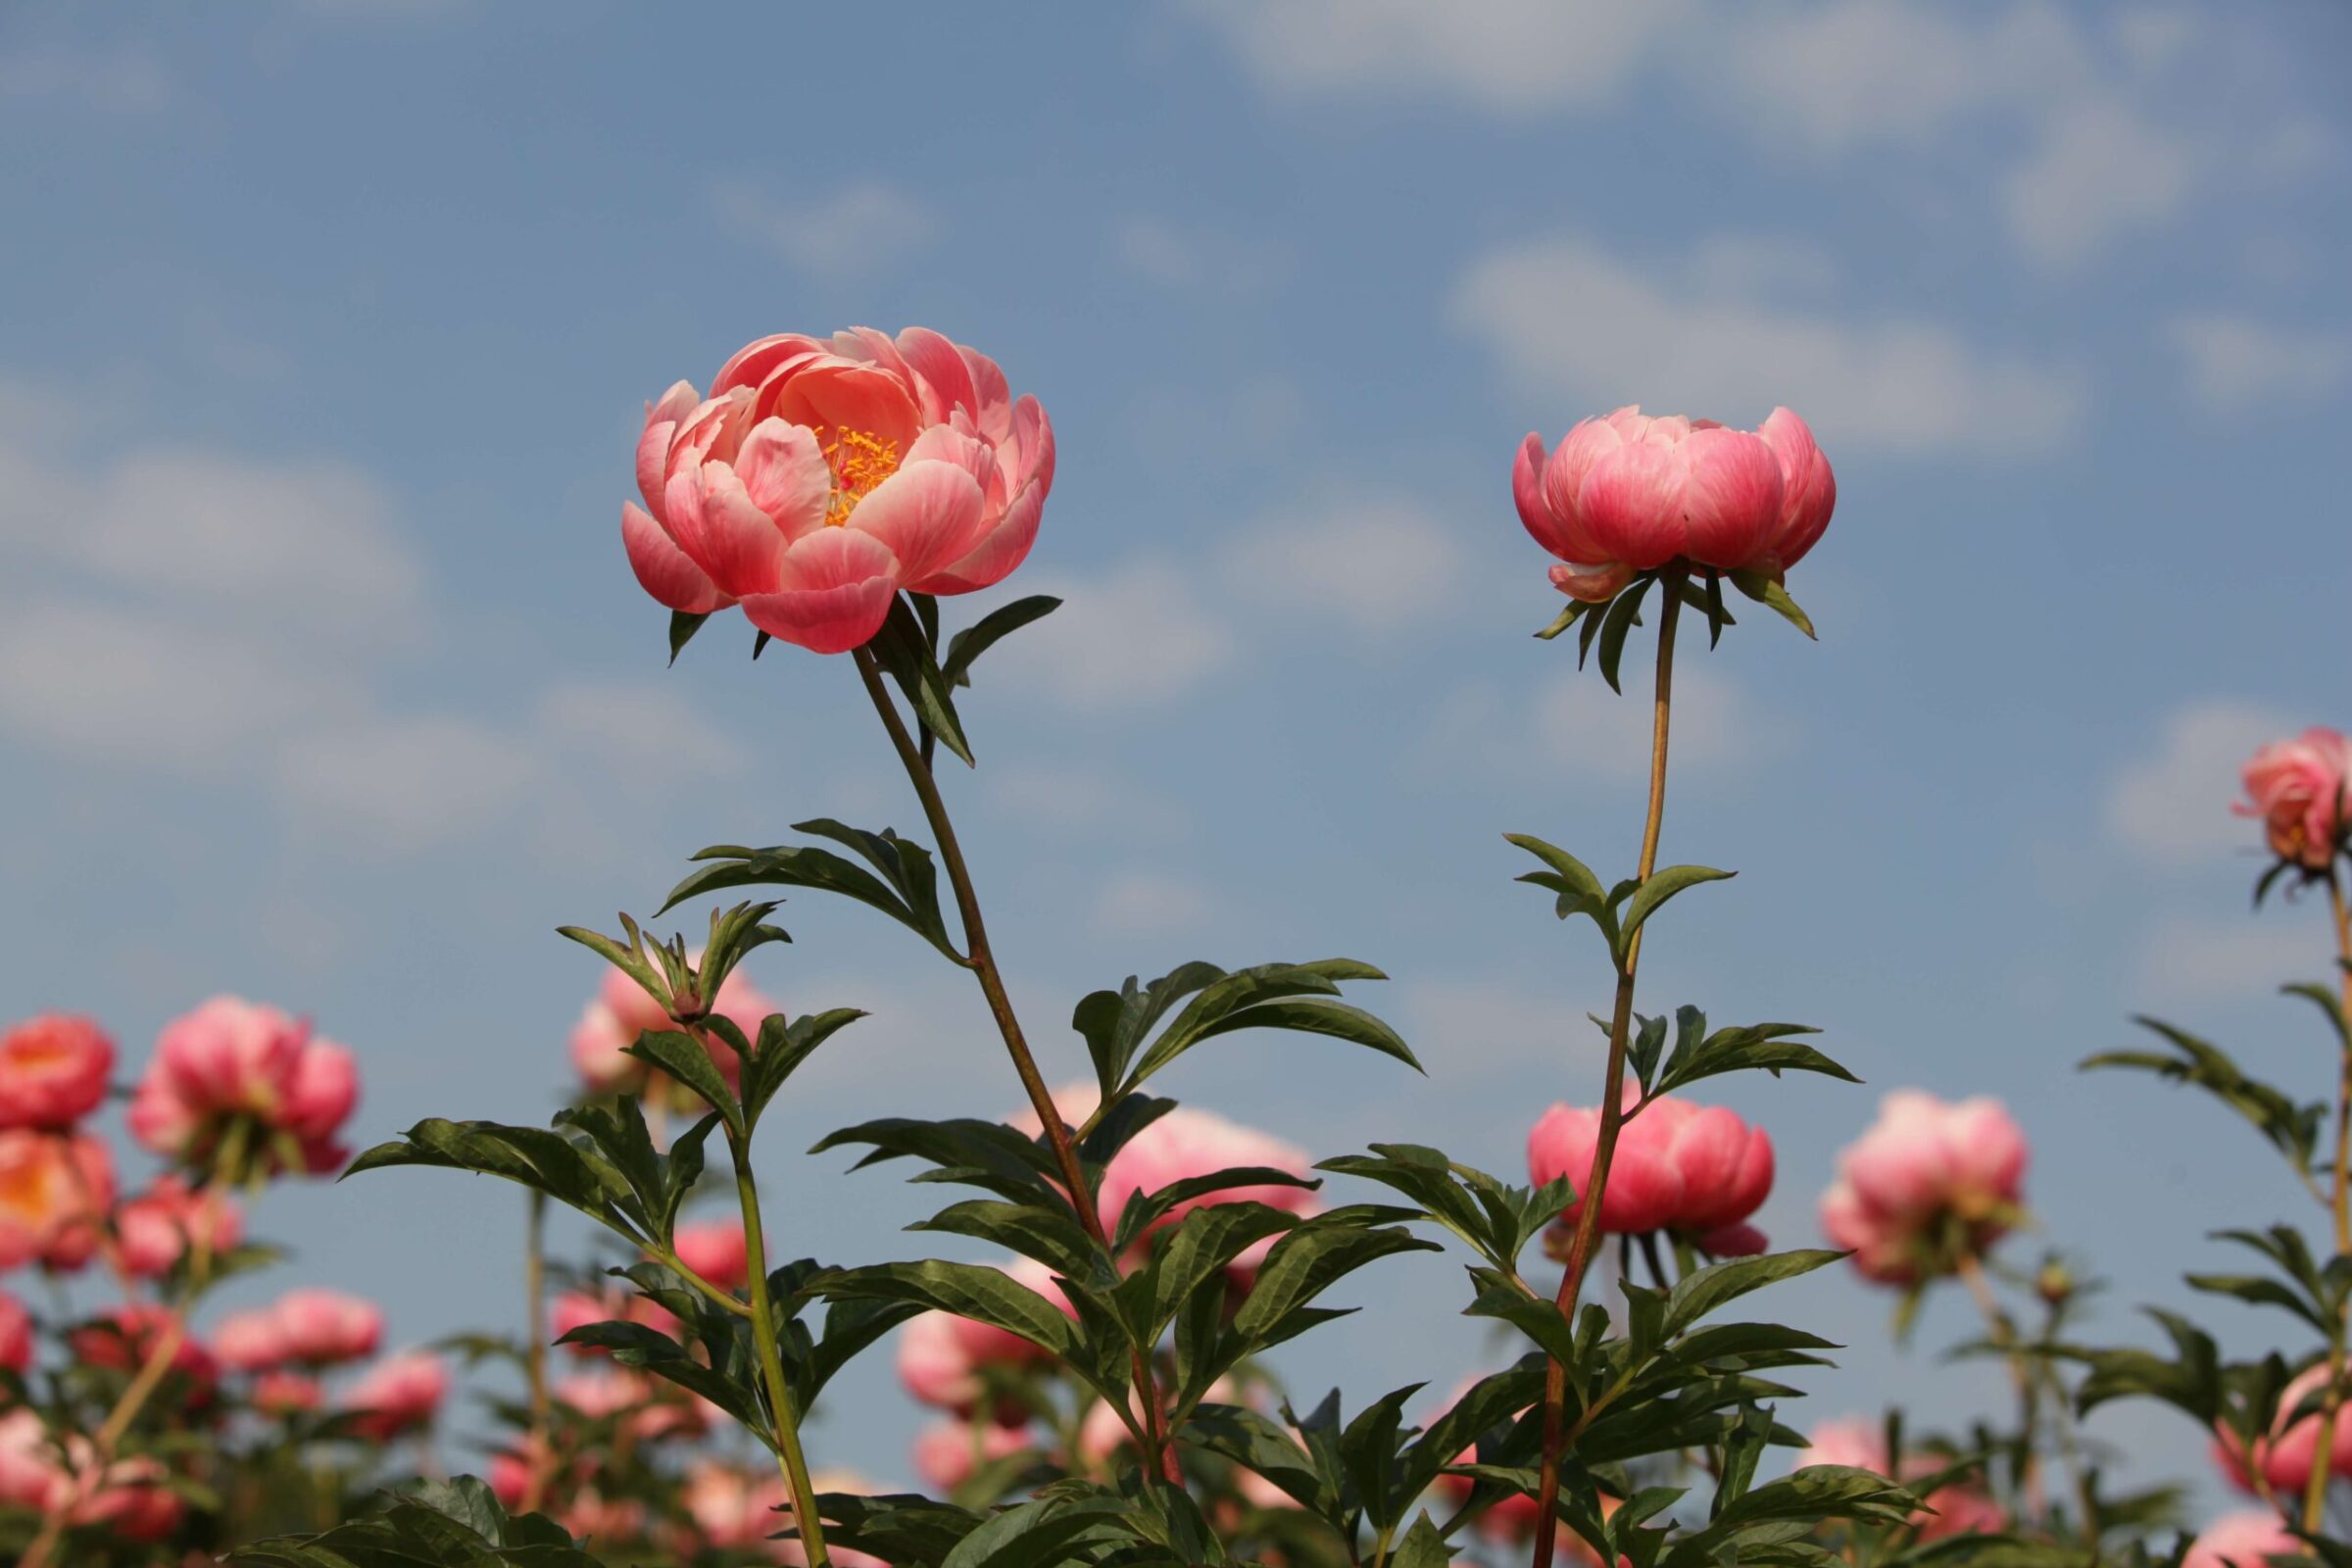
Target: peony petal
663	569
1632	504
943	370
1565	482
834	395
929	514
993	412
786	476
1004	546
837	588
1527	493
1808	489
1731	497
737	545
652	446
1032	434
757	359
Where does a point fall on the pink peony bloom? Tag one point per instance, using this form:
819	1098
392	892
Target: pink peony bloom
285	1393
821	477
623	1009
947	1453
16	1334
54	1070
1860	1444
2297	788
944	1360
732	1511
1927	1177
54	1189
1629	493
2246	1539
600	1051
1678	1165
326	1328
575	1309
154	1228
2284	1457
399	1393
716	1250
250	1340
230	1061
128	1498
121	1338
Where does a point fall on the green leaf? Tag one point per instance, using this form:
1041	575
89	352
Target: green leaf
1116	1023
534	1158
1763	1045
1656	889
2293	1129
965	1289
1311	1016
801	865
1564	619
1256	1442
1050	1235
783	1047
682	627
1196	1252
979	1154
1765	591
1625	613
1533	1317
905	653
1702	1291
976	639
1239	1000
686	1059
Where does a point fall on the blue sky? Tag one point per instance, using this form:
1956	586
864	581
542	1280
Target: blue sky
322	678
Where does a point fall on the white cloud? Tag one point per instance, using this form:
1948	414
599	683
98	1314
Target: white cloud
1591	730
406	782
1372	562
1562	316
2103	168
862	225
1198	259
1140	635
2235	361
639	733
1512	55
1151	903
2197	960
98	681
2172	807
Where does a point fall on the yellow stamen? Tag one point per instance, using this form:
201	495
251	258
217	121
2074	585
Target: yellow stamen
859	461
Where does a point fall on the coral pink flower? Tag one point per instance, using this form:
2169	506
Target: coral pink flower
731	1512
232	1060
575	1309
600	1051
716	1250
1695	1169
2297	787
128	1497
2285	1457
54	1070
399	1393
1629	493
54	1190
285	1393
16	1334
1860	1444
623	1009
2247	1540
250	1340
122	1337
1927	1177
157	1226
948	1453
946	1360
819	479
326	1328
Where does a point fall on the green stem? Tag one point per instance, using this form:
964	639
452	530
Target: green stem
1612	1115
789	1456
534	1349
981	958
2315	1493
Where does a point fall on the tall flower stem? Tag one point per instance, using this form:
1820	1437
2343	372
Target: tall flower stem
982	960
142	1386
787	1433
2315	1494
1612	1113
2003	1334
535	1347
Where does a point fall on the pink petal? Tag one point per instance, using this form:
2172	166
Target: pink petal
713	520
1632	504
652	446
757	360
1032	435
836	589
993	412
1596	587
663	569
1808	489
1004	547
1527	493
929	514
786	476
943	370
1564	483
836	395
1731	497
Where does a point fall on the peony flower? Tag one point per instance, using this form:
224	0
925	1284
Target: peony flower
54	1070
123	1338
600	1052
575	1309
716	1250
399	1393
946	1361
2247	1540
16	1335
2297	788
821	477
1678	1165
154	1228
55	1190
1858	1443
326	1328
1930	1182
623	1009
129	1497
2284	1457
732	1511
285	1393
250	1340
1629	493
947	1453
231	1062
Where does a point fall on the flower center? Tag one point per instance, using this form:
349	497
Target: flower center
859	461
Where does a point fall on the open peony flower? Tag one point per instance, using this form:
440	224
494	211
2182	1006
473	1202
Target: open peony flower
156	1227
1858	1443
716	1250
947	1453
2284	1458
398	1395
16	1334
1930	1182
235	1065
1700	1169
946	1360
2297	787
2247	1540
821	476
54	1070
55	1190
623	1009
1629	493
